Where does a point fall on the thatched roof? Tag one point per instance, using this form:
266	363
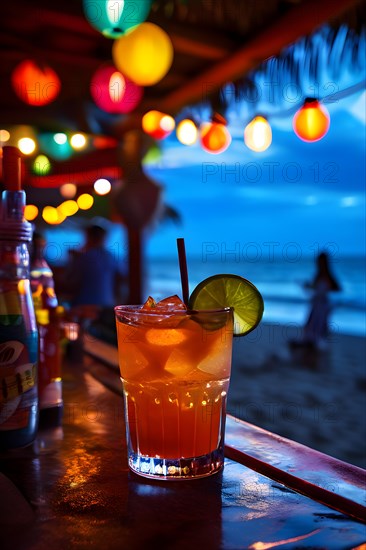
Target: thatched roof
215	41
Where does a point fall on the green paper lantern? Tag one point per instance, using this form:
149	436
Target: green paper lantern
41	165
113	17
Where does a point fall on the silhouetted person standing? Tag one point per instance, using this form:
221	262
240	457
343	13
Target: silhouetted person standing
96	275
316	328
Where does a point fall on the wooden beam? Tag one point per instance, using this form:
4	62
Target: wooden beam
299	21
197	48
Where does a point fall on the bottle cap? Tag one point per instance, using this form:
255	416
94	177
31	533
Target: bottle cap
12	168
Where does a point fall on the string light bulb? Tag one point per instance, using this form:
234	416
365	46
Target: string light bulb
157	124
187	132
311	122
258	134
215	137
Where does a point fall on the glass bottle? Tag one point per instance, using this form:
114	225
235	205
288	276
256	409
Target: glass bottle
18	328
48	316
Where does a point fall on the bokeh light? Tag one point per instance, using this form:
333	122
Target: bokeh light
113	92
312	121
27	145
68	190
4	135
55	146
157	125
258	134
30	212
60	138
102	186
68	208
187	132
61	215
35	84
85	201
215	137
41	165
50	215
78	141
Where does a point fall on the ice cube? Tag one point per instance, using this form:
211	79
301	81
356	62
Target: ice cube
218	361
149	304
165	336
132	362
177	364
172	303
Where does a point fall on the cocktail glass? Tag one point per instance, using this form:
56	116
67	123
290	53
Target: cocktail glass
175	369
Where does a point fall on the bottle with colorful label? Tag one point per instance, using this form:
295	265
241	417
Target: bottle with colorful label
18	328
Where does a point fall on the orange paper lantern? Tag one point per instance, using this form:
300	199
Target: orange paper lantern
157	125
215	137
312	121
35	84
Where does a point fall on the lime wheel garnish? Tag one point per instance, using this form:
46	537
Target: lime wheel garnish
233	291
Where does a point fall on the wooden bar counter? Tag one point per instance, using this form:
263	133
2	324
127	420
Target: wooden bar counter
73	489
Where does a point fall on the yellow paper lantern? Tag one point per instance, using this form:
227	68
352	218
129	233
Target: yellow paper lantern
144	54
258	134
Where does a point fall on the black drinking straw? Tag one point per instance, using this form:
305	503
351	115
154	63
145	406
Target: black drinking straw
183	270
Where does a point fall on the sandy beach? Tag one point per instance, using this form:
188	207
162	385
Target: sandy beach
314	397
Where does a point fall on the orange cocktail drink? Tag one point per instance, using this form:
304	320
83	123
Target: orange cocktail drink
175	367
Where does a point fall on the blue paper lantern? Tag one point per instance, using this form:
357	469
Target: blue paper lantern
113	17
57	151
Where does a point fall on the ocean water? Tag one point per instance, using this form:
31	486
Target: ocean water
281	284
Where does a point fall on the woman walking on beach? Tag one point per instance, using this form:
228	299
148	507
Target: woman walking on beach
316	327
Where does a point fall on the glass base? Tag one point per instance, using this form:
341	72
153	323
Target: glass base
176	469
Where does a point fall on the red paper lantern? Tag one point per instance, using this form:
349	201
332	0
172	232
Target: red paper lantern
215	137
35	84
312	121
113	92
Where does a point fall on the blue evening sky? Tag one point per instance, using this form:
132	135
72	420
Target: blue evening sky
292	198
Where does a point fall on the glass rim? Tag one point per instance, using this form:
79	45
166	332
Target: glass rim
137	309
